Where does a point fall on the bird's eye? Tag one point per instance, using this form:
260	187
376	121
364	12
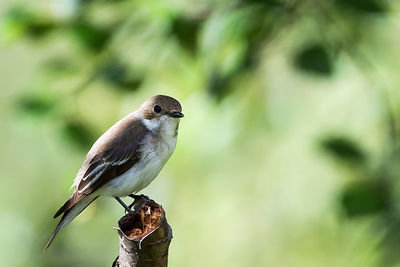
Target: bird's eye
157	109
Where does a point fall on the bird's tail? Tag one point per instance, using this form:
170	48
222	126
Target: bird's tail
69	215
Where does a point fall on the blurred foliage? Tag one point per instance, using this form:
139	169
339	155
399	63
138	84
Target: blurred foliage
245	72
76	132
369	6
19	22
36	104
344	149
186	31
315	59
366	197
89	36
116	74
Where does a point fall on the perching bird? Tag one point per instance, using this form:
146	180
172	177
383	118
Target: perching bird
126	158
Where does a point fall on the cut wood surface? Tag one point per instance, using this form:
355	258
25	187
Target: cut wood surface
144	235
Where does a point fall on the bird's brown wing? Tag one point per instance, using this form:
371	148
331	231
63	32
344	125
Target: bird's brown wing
114	155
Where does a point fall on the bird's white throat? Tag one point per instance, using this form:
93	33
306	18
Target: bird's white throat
164	126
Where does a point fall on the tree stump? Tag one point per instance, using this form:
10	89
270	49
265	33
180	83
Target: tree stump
144	236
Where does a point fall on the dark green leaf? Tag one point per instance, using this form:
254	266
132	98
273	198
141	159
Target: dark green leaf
365	197
262	2
38	29
19	22
364	6
131	84
90	36
316	59
343	149
77	133
36	104
117	74
114	72
219	85
186	30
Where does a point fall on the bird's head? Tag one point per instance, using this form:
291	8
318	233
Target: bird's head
161	109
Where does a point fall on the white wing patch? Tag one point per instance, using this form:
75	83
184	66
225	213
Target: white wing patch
92	181
99	170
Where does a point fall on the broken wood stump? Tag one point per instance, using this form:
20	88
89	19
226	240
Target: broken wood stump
144	235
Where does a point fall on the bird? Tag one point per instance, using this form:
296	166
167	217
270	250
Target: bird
126	158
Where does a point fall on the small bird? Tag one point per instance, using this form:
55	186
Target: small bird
126	158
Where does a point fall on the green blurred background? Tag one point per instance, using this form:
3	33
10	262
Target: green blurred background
288	154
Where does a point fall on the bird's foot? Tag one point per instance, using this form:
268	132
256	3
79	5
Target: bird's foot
126	207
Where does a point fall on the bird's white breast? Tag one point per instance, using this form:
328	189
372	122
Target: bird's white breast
156	149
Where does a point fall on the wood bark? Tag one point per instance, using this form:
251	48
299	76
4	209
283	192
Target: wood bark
144	236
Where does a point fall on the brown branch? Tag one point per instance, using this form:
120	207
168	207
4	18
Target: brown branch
144	236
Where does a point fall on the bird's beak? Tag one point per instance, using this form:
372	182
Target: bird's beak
176	114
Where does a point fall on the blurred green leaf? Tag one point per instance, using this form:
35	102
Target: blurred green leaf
59	65
344	149
365	197
37	105
15	23
316	59
117	74
262	2
364	6
20	22
186	31
219	85
39	29
89	36
77	133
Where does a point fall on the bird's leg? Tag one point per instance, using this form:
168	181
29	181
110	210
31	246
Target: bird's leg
133	196
135	199
124	205
139	203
